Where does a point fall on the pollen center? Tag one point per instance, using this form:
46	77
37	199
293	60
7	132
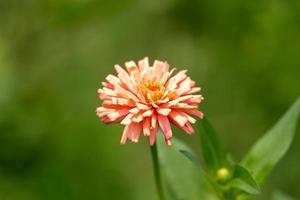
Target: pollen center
151	90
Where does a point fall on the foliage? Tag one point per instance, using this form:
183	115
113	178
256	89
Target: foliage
231	181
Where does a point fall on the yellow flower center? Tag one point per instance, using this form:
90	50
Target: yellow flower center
151	90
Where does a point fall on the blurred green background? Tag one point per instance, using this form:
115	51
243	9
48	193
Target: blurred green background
55	53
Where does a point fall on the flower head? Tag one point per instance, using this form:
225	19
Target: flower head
145	98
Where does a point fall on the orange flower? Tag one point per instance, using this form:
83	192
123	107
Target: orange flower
145	98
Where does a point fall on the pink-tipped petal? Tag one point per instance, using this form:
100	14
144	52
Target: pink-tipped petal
113	80
169	143
138	117
194	112
165	126
136	130
153	135
178	117
131	66
125	134
127	120
173	82
153	121
164	111
144	64
158	69
148	113
194	90
146	126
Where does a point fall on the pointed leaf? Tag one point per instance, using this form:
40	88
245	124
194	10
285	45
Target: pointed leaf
266	153
243	180
281	196
189	155
183	179
212	149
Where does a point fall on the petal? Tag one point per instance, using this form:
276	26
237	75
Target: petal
125	79
127	120
131	66
117	114
112	115
165	126
166	67
142	106
119	69
148	113
178	117
185	86
138	117
153	120
169	143
191	119
125	134
184	106
134	110
158	69
146	126
188	128
132	132
136	130
195	99
153	134
125	93
108	92
164	111
194	90
166	75
194	112
118	102
172	83
144	64
113	79
108	85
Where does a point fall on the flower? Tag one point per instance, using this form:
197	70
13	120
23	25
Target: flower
145	98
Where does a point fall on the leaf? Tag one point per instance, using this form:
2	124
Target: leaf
189	155
243	180
183	179
277	195
266	153
212	149
193	158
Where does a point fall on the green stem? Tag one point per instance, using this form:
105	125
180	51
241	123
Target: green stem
157	175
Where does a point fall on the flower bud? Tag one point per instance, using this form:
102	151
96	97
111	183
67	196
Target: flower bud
223	174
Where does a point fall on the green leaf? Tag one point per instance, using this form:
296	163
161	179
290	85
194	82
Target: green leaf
192	157
183	179
212	149
243	180
189	155
266	153
281	196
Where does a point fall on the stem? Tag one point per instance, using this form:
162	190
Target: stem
157	172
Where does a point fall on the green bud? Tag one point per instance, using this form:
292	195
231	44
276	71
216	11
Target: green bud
223	174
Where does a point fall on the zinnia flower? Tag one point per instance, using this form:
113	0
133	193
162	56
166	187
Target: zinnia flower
145	98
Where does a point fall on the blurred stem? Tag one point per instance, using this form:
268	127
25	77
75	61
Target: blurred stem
157	174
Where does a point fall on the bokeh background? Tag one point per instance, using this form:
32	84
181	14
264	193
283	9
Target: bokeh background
55	53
